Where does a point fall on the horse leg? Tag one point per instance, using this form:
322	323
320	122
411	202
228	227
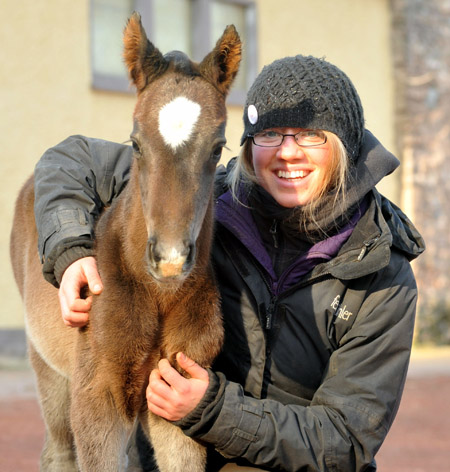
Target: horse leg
174	451
101	433
139	452
54	396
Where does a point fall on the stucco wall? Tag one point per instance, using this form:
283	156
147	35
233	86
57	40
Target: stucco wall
45	91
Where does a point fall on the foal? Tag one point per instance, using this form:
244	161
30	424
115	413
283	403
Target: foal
153	248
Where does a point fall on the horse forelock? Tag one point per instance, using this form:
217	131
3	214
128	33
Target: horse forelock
179	61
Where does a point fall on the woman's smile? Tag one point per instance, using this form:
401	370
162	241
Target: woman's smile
292	174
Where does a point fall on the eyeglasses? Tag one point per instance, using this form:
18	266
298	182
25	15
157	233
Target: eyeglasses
304	138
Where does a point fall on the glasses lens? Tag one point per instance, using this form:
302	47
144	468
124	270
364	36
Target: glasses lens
268	138
310	137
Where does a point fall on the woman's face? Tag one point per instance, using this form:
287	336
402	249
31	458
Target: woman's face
290	173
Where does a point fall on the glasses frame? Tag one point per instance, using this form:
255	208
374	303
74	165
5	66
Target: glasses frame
252	136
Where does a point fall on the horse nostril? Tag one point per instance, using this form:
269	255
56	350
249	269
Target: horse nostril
155	256
151	253
190	255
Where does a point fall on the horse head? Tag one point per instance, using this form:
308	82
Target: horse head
178	137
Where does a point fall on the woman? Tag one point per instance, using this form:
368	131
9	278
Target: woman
318	295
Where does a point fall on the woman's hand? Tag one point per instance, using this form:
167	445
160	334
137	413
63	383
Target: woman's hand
171	395
81	273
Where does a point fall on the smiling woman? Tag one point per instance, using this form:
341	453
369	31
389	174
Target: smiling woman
300	138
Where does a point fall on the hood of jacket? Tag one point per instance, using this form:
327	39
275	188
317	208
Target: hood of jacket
382	229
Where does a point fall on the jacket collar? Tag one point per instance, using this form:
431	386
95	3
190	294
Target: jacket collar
361	248
238	219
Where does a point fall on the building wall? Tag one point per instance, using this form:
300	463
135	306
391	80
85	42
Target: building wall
45	91
422	66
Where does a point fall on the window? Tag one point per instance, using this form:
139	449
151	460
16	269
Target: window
107	20
192	26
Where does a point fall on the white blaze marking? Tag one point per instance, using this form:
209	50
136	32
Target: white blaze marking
177	120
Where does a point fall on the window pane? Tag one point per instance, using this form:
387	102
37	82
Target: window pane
108	21
172	25
223	14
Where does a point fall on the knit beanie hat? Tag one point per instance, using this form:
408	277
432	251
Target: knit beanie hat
305	92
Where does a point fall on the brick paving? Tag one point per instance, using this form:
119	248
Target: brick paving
419	440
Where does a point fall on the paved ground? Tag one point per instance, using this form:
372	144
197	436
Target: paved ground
418	442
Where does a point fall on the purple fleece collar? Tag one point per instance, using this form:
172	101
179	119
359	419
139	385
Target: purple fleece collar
238	219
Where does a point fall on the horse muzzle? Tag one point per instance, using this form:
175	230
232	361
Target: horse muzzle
168	262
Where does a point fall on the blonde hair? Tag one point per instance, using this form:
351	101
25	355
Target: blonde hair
335	183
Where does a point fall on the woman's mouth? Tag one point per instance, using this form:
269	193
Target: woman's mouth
295	174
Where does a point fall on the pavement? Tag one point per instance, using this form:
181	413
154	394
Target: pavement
419	440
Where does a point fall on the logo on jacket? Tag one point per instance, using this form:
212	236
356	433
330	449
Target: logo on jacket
341	312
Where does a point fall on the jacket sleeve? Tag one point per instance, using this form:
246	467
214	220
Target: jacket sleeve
351	412
74	181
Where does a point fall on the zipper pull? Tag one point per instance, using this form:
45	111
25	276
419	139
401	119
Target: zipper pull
366	247
273	231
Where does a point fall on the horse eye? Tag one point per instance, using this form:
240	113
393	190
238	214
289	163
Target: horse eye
136	147
217	153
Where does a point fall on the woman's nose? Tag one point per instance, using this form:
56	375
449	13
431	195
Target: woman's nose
289	148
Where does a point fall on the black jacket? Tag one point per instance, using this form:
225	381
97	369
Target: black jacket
314	364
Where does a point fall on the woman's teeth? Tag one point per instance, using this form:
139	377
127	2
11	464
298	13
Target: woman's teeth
296	174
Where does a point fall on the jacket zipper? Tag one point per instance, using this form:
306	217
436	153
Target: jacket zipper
270	312
273	231
366	247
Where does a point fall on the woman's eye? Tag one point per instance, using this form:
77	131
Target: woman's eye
270	134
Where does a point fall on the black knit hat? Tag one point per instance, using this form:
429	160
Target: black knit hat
305	92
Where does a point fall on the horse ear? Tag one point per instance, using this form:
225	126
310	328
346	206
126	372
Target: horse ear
143	60
221	65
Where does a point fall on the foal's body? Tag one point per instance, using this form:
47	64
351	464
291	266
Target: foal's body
153	246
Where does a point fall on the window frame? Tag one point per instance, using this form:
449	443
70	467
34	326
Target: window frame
200	28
